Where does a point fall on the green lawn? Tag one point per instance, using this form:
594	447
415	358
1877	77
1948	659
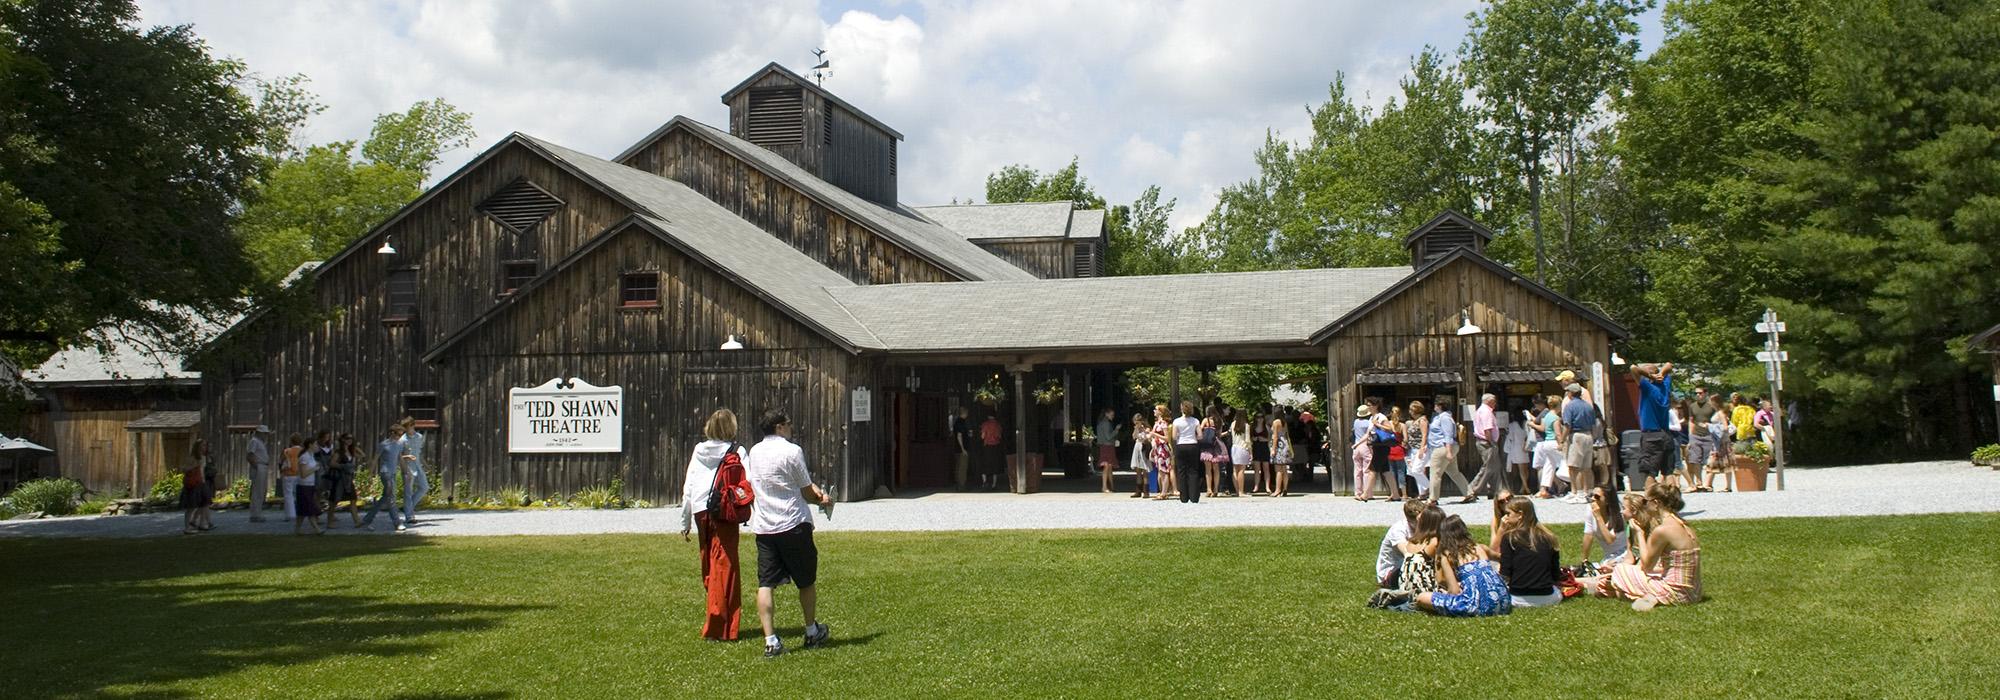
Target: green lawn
1863	607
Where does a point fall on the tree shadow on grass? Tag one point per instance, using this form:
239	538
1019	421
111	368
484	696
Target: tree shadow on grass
122	617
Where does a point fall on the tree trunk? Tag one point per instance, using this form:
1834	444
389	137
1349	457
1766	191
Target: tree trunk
1535	218
1568	162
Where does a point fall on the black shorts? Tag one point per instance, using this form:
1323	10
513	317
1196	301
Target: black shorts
1260	451
1657	453
788	556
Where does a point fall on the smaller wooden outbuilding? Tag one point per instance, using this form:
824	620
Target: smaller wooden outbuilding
1988	342
118	413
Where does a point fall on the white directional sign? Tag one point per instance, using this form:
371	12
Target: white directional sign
1779	356
1778	327
566	415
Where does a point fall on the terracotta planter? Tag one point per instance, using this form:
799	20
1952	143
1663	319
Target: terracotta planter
1749	472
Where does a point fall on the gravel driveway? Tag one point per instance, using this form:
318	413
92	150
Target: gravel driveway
1883	489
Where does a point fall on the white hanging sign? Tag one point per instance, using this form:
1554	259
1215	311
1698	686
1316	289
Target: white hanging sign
864	404
565	415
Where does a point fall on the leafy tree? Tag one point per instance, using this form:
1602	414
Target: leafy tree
1731	76
1020	183
124	155
1540	68
1140	242
317	201
1889	220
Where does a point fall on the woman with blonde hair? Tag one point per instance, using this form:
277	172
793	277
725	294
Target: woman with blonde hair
1668	566
719	568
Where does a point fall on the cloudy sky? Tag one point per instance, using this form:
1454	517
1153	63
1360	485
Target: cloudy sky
1176	94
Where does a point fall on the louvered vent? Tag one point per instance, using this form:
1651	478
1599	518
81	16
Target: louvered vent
776	118
521	206
892	159
1086	262
826	129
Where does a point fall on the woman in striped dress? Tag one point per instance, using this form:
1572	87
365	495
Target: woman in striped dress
1668	569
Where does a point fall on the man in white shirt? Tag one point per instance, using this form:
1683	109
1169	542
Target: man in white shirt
784	525
259	457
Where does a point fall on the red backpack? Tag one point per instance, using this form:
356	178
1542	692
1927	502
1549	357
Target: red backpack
730	499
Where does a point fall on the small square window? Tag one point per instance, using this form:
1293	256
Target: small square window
639	289
402	301
423	408
516	274
246	402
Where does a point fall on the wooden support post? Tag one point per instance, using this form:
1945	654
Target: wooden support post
1020	429
136	441
1339	417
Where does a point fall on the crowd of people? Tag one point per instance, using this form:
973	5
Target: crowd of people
1429	561
315	476
1223	451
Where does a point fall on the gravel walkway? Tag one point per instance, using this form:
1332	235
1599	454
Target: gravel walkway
1883	489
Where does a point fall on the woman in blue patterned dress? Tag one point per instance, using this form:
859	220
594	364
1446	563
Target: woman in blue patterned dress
1471	581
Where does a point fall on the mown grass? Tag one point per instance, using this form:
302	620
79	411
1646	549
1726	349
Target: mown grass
1864	607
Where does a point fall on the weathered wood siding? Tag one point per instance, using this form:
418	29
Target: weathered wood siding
1047	259
345	369
847	247
666	359
836	145
1417	331
86	428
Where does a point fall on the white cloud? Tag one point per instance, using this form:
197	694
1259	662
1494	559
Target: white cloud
1171	93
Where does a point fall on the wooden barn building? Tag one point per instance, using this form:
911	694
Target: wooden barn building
118	413
560	320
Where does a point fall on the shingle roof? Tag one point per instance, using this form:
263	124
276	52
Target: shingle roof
785	277
1985	340
1106	312
133	355
990	221
1086	223
926	239
166	421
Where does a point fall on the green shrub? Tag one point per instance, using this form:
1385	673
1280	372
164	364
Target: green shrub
511	497
595	497
94	506
51	496
165	492
461	492
7	508
1989	453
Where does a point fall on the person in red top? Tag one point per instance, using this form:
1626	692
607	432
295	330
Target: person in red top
719	567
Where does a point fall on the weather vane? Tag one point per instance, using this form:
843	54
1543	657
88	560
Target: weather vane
824	69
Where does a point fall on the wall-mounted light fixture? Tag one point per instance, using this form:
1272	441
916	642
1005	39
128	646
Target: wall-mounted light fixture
1467	328
732	343
386	249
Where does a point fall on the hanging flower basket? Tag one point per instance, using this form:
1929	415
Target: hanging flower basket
1050	393
991	394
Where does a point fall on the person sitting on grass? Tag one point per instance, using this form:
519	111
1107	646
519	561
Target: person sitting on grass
1668	571
1471	582
1417	574
1527	553
1389	557
1605	525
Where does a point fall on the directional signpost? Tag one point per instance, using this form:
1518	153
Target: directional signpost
1774	359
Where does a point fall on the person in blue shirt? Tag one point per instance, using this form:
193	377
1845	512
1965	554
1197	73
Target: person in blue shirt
1579	418
416	483
1442	440
388	455
1657	451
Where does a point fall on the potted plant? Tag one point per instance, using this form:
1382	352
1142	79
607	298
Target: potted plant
991	393
1750	465
1988	456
